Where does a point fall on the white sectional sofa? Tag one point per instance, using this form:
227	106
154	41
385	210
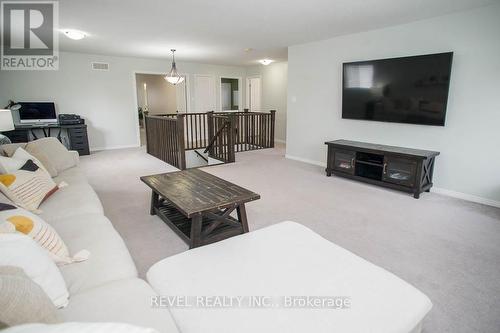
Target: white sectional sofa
106	286
286	259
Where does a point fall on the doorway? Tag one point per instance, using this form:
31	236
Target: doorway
254	93
230	94
157	96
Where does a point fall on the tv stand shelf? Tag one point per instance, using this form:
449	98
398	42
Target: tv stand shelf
399	168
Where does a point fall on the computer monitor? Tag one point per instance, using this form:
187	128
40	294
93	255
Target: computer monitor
37	112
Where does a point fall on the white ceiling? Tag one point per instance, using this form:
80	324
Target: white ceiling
218	31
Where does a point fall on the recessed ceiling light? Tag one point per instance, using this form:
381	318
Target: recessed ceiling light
266	62
248	49
74	34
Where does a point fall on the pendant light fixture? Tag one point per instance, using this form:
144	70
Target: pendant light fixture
174	77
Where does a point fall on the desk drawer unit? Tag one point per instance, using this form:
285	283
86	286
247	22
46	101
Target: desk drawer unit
18	136
78	139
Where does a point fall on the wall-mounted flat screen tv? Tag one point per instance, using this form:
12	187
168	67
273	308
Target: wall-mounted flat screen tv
410	90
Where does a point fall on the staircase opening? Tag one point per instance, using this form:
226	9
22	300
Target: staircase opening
197	158
189	140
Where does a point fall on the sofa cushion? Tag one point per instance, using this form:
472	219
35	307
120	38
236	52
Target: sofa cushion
71	176
127	301
283	260
109	258
74	199
22	300
9	149
76	225
53	152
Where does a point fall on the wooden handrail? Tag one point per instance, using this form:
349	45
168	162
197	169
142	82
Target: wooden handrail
221	134
163	114
200	155
212	140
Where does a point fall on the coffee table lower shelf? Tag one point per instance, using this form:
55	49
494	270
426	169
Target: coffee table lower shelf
182	225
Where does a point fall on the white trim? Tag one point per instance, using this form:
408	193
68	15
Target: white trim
247	90
305	160
465	196
186	86
188	93
280	141
437	190
240	91
95	149
136	117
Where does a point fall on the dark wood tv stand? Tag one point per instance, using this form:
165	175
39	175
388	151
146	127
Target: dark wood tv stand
399	168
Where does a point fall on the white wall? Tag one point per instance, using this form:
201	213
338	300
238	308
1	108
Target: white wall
107	100
161	95
469	143
274	93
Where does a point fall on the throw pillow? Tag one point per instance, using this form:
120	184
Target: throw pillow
9	164
28	186
42	160
21	251
23	301
55	152
45	161
79	328
20	220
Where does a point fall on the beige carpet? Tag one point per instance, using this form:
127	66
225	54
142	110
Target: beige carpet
448	248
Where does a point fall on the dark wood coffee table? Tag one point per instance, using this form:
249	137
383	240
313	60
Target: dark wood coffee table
197	205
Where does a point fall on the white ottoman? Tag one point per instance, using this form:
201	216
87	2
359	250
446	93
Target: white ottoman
287	259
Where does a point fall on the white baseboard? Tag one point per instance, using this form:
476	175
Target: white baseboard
92	149
305	160
465	196
279	141
438	190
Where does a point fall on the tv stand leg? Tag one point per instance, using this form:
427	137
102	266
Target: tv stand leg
328	172
416	195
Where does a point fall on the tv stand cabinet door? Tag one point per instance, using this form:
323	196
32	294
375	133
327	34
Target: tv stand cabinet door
344	161
401	171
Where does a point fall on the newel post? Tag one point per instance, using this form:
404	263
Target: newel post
246	126
145	122
181	154
211	131
273	122
231	142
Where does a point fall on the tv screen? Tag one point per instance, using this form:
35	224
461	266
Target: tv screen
410	90
37	112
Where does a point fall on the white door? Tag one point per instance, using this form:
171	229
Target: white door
204	93
254	94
